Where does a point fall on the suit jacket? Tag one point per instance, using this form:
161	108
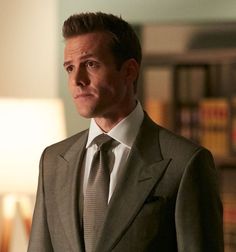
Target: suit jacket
166	200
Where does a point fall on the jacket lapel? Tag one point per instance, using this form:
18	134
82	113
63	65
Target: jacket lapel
68	191
144	170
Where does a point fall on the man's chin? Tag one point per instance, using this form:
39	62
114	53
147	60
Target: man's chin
86	114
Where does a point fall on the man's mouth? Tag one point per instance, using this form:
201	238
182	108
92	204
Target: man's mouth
82	95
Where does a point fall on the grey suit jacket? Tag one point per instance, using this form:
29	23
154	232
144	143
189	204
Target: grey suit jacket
167	199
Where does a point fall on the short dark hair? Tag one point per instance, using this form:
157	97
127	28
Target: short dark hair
125	43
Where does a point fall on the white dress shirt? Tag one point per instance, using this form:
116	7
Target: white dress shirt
125	133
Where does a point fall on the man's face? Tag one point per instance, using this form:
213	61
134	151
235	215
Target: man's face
98	87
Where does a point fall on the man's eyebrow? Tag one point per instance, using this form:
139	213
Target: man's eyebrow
85	56
66	63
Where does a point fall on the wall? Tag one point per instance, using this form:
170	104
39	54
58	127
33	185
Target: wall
28	61
156	10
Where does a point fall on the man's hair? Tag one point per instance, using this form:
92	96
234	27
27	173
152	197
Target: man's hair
125	43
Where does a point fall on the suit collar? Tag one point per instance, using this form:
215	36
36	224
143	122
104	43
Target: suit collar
144	170
67	189
124	132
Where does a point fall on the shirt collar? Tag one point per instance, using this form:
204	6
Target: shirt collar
124	132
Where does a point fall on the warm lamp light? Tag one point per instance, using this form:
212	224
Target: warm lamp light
27	127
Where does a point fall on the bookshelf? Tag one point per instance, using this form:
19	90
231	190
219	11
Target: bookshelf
194	94
197	90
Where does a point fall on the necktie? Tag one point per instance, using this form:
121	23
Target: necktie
96	196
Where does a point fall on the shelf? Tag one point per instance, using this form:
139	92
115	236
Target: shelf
202	56
228	161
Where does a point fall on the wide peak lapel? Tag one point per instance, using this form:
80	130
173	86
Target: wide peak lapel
67	190
144	170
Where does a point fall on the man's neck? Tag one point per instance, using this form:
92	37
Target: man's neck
107	123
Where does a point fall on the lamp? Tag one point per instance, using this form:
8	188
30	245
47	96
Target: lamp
27	126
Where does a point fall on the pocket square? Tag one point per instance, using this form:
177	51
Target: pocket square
153	198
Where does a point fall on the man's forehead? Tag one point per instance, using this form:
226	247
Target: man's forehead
87	44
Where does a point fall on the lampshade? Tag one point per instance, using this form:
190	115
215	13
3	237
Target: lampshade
27	126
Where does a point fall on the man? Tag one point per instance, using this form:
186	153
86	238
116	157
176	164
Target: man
162	192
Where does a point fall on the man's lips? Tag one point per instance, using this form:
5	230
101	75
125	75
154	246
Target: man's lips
82	95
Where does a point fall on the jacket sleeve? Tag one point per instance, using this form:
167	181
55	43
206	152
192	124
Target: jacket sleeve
40	236
198	215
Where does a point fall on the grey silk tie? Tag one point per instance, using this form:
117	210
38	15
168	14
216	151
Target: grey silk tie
96	196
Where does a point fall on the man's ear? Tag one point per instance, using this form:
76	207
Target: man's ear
130	70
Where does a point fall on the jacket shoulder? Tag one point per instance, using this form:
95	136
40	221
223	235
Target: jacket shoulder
172	142
173	145
62	146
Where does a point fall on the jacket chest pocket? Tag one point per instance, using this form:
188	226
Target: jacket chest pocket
151	213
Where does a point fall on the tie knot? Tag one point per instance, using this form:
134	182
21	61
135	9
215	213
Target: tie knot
103	141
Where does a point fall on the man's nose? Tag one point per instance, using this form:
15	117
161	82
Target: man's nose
81	77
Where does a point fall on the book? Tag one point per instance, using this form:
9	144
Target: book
189	89
229	220
233	124
191	83
214	125
158	95
189	122
159	111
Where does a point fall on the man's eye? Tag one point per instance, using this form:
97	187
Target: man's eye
91	64
69	69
